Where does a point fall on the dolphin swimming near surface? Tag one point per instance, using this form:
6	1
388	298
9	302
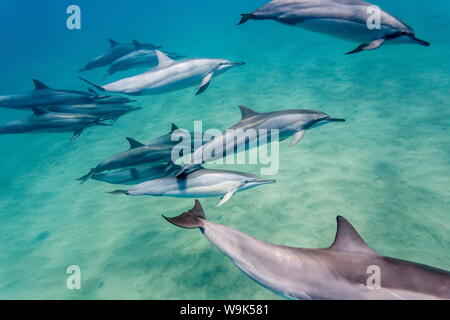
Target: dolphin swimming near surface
132	176
203	183
345	19
170	75
46	96
139	154
105	112
340	272
288	123
42	121
138	59
116	51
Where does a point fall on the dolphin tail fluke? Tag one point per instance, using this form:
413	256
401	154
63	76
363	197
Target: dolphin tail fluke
86	177
191	219
100	88
245	18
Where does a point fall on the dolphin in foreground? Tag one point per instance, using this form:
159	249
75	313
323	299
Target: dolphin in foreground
42	121
46	96
143	58
288	123
339	272
132	176
170	75
116	51
203	183
139	154
105	112
345	19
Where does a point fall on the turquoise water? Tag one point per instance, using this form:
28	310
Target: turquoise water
386	169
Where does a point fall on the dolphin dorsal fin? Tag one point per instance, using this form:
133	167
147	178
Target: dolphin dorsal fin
163	59
39	85
134	143
38	111
173	128
138	45
92	91
113	43
247	112
349	240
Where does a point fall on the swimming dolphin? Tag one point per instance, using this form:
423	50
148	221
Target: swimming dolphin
105	112
339	272
138	59
346	19
132	176
287	122
116	51
139	154
45	96
42	121
202	183
170	75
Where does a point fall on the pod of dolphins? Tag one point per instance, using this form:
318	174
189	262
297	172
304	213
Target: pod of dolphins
337	272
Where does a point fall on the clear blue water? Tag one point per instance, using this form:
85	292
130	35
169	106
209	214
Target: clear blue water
386	169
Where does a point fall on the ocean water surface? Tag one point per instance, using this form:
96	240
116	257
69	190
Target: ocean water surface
387	169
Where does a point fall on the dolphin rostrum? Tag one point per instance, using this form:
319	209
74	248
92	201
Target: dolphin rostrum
45	96
286	122
345	19
138	59
42	121
170	75
342	271
116	51
139	154
202	183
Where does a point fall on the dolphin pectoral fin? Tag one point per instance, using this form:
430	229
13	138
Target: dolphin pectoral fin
368	46
226	197
205	83
77	134
297	138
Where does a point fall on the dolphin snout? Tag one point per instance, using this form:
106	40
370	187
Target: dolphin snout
420	41
235	64
266	181
334	120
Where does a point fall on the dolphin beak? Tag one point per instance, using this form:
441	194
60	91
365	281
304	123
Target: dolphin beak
235	64
420	41
334	120
266	181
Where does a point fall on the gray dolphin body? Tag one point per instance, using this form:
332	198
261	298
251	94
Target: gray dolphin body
45	96
346	19
170	75
131	176
116	51
42	121
139	154
203	183
338	272
287	122
143	58
113	112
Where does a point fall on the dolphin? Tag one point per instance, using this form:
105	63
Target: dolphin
132	176
345	19
177	135
170	75
137	155
116	51
45	96
288	123
338	272
105	112
202	183
138	59
42	121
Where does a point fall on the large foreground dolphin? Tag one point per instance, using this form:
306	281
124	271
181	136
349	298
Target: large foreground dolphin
45	96
116	51
341	271
287	122
346	19
202	183
138	59
170	75
139	154
42	121
107	112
